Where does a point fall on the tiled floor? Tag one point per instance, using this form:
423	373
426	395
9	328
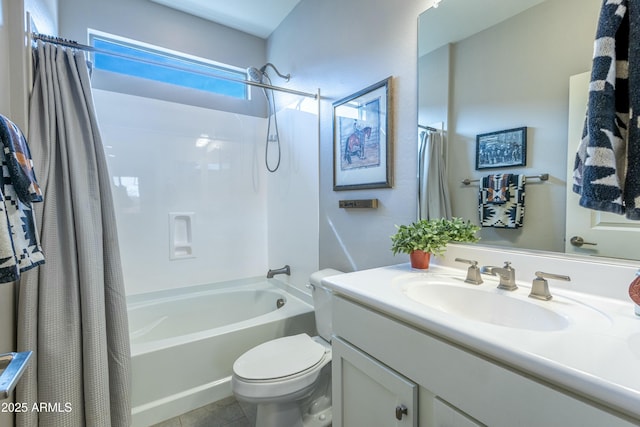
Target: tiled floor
224	413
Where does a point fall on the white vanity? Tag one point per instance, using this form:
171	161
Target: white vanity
424	348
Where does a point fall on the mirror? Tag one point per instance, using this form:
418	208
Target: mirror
492	65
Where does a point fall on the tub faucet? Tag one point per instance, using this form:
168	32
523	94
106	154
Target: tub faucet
506	273
284	270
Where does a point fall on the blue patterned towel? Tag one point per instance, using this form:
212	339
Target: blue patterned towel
20	248
496	188
19	161
607	166
509	214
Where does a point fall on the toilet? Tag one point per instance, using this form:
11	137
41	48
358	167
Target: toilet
289	379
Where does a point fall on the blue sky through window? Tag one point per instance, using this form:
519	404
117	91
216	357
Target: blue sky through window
178	71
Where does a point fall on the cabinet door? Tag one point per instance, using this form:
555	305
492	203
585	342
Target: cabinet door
447	416
368	393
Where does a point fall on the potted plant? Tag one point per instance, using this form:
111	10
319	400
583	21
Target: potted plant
425	237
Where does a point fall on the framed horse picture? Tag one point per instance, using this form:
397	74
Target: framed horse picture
362	146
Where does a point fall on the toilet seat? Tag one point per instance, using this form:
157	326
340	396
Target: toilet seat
280	368
279	358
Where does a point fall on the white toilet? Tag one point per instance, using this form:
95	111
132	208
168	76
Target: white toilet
290	378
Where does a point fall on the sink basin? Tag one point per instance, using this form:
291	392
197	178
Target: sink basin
488	307
487	304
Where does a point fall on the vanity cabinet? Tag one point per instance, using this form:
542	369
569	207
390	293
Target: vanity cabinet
371	393
381	363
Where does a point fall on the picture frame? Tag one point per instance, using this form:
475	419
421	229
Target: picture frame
501	149
362	143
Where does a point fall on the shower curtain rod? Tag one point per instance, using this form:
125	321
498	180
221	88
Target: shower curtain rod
73	44
429	128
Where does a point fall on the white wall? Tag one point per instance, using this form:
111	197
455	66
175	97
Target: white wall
292	191
245	220
44	14
434	86
158	167
5	100
342	47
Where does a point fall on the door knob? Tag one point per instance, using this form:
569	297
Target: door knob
400	411
579	241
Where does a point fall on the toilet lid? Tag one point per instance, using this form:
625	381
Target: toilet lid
279	358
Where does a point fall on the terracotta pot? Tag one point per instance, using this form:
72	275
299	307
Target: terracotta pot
420	259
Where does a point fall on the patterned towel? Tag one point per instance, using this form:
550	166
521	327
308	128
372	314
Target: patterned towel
19	162
607	167
509	214
496	188
19	244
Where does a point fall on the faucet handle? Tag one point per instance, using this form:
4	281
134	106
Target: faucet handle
475	263
541	275
508	281
473	272
540	286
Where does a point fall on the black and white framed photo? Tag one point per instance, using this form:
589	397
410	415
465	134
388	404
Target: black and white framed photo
362	145
501	149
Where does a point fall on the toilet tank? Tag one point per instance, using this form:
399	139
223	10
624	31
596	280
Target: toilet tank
322	302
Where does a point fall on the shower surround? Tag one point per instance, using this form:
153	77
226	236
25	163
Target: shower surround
208	166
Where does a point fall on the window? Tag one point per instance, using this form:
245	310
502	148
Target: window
153	63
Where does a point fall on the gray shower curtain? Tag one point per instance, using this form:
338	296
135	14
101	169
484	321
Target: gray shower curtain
72	309
433	191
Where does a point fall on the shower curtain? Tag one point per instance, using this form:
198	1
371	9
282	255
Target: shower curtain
433	192
72	309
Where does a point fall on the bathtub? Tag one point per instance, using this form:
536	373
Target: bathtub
184	341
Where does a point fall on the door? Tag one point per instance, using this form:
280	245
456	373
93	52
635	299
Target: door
592	232
368	393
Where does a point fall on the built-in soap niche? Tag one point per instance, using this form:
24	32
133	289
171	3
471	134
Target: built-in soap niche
181	235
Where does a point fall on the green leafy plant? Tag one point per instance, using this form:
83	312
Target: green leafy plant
432	235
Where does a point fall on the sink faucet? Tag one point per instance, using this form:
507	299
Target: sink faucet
506	273
284	270
540	287
473	272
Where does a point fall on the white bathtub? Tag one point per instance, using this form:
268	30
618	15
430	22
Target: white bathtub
184	341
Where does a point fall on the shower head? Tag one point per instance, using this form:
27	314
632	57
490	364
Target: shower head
258	75
255	75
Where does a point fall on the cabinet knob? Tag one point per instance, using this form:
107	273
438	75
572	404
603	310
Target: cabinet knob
400	411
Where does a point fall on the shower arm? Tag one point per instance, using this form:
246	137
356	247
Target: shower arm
269	64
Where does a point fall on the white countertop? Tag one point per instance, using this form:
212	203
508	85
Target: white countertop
600	360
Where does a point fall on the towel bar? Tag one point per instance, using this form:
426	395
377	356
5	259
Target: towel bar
541	177
14	365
